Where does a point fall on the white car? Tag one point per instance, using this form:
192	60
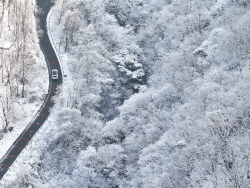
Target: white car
54	74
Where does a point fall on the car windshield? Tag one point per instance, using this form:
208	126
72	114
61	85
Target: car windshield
54	72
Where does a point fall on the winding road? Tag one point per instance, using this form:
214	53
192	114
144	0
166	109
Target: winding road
52	63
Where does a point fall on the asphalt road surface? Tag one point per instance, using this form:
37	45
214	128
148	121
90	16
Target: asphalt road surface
52	63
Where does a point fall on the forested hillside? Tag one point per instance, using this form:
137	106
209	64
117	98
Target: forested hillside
156	95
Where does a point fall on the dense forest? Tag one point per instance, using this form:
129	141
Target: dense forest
156	95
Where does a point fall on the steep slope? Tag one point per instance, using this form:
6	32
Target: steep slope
156	95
